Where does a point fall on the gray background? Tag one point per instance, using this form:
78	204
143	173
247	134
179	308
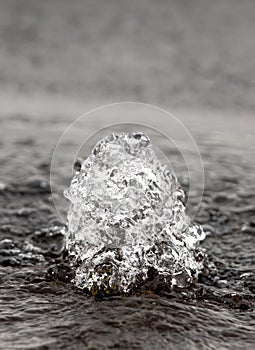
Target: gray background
184	54
59	59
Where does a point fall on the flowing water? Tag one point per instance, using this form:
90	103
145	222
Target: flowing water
42	309
127	221
59	56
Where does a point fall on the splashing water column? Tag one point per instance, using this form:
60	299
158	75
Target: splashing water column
127	217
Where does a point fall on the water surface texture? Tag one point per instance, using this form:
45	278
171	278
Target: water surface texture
57	59
41	307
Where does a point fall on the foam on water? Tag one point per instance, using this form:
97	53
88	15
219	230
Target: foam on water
127	218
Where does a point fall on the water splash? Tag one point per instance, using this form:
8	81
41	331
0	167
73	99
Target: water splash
127	218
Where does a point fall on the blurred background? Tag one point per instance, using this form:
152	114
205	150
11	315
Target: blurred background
184	54
60	58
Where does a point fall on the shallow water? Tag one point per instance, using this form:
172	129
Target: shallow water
177	55
41	309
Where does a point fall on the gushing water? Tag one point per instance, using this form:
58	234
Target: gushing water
127	218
